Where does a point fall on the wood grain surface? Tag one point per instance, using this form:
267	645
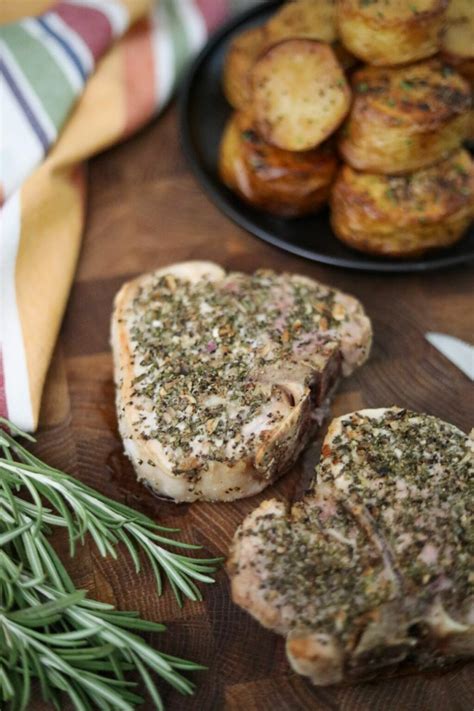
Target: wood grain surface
146	211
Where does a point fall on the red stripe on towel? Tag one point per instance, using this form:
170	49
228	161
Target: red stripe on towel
139	74
213	11
91	24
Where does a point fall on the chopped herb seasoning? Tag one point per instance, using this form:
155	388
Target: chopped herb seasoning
203	355
390	194
388	518
446	70
249	135
440	190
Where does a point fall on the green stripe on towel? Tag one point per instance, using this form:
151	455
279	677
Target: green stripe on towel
46	79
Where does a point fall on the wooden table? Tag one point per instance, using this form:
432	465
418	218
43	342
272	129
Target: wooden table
145	211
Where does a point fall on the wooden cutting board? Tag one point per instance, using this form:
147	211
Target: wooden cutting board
145	211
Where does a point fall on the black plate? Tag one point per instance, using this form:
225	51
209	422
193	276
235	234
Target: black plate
203	114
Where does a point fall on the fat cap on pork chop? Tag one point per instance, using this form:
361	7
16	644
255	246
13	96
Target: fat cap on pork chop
374	567
222	378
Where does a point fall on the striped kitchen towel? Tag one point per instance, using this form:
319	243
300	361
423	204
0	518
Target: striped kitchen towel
59	105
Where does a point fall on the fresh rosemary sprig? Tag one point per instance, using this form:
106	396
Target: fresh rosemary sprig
49	631
75	645
83	510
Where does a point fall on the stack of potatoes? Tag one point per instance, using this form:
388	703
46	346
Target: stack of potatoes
304	103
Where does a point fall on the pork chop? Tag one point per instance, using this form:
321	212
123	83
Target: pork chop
222	379
373	568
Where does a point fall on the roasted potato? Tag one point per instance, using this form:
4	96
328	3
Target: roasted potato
307	19
405	118
240	57
404	216
281	182
391	32
310	19
299	94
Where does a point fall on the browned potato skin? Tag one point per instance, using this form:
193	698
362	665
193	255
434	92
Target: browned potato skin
387	36
240	57
300	94
280	182
405	118
404	216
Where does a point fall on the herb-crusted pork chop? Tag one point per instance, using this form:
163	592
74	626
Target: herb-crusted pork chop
222	378
374	567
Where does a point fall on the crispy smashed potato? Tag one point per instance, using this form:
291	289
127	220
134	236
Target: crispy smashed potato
300	94
405	118
391	32
283	183
240	57
404	216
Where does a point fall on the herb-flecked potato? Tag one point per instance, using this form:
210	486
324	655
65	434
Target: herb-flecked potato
310	19
408	215
300	94
307	19
391	32
405	118
281	182
240	57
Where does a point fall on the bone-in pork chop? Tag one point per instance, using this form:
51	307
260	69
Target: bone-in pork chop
222	378
374	567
